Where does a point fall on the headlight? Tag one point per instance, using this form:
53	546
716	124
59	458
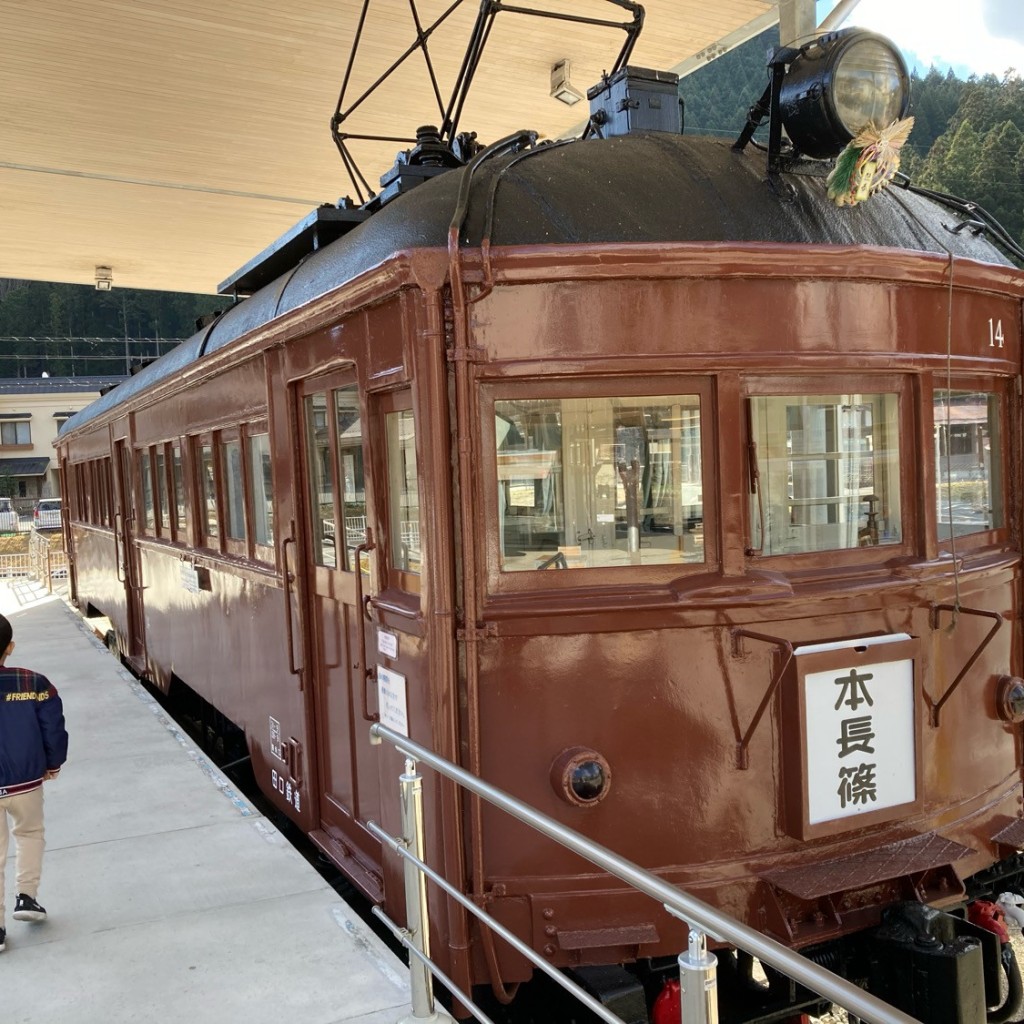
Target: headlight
839	85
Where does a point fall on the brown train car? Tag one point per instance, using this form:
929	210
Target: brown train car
685	511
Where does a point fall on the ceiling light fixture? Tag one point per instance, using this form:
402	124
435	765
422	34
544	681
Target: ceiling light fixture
561	88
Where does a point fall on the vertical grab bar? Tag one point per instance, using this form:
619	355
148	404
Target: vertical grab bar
120	542
289	631
363	673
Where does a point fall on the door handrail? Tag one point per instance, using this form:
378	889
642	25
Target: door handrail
699	916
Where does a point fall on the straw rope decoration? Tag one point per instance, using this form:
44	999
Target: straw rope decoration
868	163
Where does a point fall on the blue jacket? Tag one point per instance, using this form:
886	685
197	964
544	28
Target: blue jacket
33	739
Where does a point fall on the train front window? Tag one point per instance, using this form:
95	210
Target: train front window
968	463
599	482
825	472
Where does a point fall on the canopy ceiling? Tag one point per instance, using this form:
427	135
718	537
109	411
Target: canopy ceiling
172	140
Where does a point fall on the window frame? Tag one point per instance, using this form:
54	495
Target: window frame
238	546
987	384
25	421
910	468
397	579
698	385
197	442
259	552
147	514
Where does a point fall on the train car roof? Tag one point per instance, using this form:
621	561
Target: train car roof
636	189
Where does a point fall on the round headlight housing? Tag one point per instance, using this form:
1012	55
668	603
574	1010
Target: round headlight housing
839	85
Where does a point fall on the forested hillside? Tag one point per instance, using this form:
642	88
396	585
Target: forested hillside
968	140
37	310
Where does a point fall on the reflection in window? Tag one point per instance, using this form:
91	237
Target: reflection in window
179	489
148	514
262	486
404	491
968	462
829	470
588	482
161	488
208	490
234	495
320	480
350	470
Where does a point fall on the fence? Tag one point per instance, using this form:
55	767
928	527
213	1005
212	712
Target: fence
41	562
697	967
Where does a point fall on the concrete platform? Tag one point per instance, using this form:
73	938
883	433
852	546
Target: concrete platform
170	897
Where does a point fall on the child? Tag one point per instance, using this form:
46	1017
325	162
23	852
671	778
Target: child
33	746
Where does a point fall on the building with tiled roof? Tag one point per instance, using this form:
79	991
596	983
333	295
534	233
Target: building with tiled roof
32	410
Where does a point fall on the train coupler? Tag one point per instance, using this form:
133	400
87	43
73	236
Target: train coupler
932	965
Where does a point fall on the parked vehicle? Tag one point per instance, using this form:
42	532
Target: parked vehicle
8	516
47	515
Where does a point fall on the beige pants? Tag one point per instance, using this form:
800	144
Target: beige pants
26	813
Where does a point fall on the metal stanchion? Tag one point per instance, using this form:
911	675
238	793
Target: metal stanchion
417	921
698	982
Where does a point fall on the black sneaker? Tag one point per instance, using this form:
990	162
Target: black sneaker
3	939
26	909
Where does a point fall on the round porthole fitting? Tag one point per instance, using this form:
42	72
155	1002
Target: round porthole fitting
581	776
1010	699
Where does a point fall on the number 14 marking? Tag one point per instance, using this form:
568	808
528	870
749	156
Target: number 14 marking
995	333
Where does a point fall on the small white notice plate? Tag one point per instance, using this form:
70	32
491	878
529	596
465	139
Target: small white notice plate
394	712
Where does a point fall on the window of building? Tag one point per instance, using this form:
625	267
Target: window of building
827	472
16	432
968	462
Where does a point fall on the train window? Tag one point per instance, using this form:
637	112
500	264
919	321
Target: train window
234	491
261	488
350	468
598	482
968	462
403	491
162	491
146	479
320	481
208	496
828	472
179	491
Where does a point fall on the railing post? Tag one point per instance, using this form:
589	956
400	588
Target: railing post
698	982
417	921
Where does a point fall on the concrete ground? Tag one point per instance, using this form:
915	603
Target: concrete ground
170	897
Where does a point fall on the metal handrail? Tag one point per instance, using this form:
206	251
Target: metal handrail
699	916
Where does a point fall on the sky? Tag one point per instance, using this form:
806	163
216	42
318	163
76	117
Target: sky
971	36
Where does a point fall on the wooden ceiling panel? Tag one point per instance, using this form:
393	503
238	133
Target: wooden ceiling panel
173	139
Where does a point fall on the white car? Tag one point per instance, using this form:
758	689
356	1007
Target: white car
47	515
8	516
